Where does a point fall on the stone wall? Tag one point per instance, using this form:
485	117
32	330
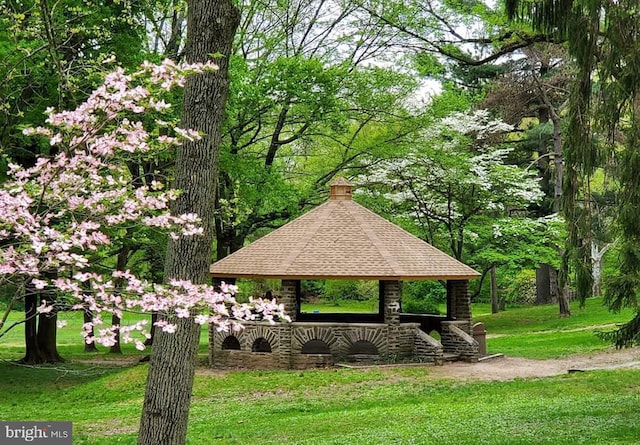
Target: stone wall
456	341
427	348
344	342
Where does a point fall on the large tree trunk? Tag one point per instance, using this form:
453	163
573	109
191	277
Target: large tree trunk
39	331
47	345
543	284
210	29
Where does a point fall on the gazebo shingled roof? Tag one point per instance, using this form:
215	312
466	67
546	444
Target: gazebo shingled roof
341	239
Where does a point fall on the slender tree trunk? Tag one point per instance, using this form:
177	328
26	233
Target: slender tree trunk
596	269
32	351
87	317
116	348
152	332
494	292
563	302
211	26
597	259
121	265
555	288
40	331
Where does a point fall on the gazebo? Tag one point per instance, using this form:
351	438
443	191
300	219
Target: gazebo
341	239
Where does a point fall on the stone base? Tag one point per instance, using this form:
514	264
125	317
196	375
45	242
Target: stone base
300	345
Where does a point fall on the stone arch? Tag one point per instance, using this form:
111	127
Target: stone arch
261	344
231	342
316	346
253	333
376	337
303	335
363	347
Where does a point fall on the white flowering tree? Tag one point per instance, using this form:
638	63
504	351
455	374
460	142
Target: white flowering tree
457	188
79	203
459	173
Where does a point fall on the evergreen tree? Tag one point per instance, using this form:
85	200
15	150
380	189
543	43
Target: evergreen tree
603	38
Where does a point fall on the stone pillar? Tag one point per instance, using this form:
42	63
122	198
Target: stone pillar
288	297
284	359
459	303
390	295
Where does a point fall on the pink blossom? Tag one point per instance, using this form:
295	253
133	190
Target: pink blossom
64	211
44	308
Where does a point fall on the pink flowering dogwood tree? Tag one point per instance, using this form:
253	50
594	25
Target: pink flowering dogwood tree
79	202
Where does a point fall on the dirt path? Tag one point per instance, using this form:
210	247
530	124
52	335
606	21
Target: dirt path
502	368
508	368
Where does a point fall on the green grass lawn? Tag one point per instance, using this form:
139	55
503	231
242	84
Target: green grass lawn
70	340
340	406
538	332
350	406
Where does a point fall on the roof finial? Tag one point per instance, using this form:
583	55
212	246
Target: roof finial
340	189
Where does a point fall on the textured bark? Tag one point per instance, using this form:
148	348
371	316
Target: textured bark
563	302
47	330
32	354
210	29
555	287
543	284
40	331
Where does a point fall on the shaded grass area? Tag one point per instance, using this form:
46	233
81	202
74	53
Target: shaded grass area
338	406
538	331
70	341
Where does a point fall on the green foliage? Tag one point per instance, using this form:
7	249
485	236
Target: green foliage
521	288
53	54
341	306
515	244
450	100
428	65
350	290
256	288
423	297
302	108
455	187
